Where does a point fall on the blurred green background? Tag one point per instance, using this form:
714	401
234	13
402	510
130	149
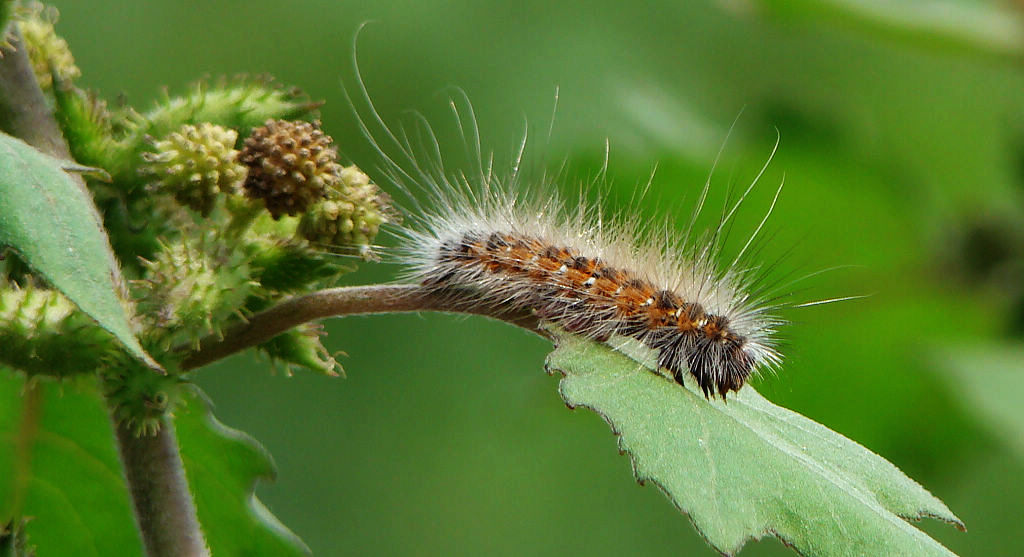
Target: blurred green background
902	147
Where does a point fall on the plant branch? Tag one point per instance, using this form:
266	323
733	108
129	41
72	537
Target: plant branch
163	503
24	112
350	300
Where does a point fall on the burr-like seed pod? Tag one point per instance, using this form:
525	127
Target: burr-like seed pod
292	165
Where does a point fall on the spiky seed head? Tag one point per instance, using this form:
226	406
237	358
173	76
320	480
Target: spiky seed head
292	165
42	333
46	49
351	215
241	103
140	399
196	163
192	289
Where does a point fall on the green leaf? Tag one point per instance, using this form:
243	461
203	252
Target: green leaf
50	221
746	468
990	381
60	470
223	466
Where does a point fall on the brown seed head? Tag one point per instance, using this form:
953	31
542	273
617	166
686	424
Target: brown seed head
291	166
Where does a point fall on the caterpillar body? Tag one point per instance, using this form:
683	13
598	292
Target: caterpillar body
510	241
593	278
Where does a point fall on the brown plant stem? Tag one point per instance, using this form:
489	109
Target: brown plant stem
163	505
350	300
24	112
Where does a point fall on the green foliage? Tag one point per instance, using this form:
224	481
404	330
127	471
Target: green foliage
51	223
746	468
195	251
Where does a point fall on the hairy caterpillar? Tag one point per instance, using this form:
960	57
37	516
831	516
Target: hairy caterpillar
487	237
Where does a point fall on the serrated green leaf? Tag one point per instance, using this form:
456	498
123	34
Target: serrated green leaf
747	468
59	469
51	223
223	466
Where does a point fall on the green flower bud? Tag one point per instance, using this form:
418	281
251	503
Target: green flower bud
195	163
86	123
351	216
